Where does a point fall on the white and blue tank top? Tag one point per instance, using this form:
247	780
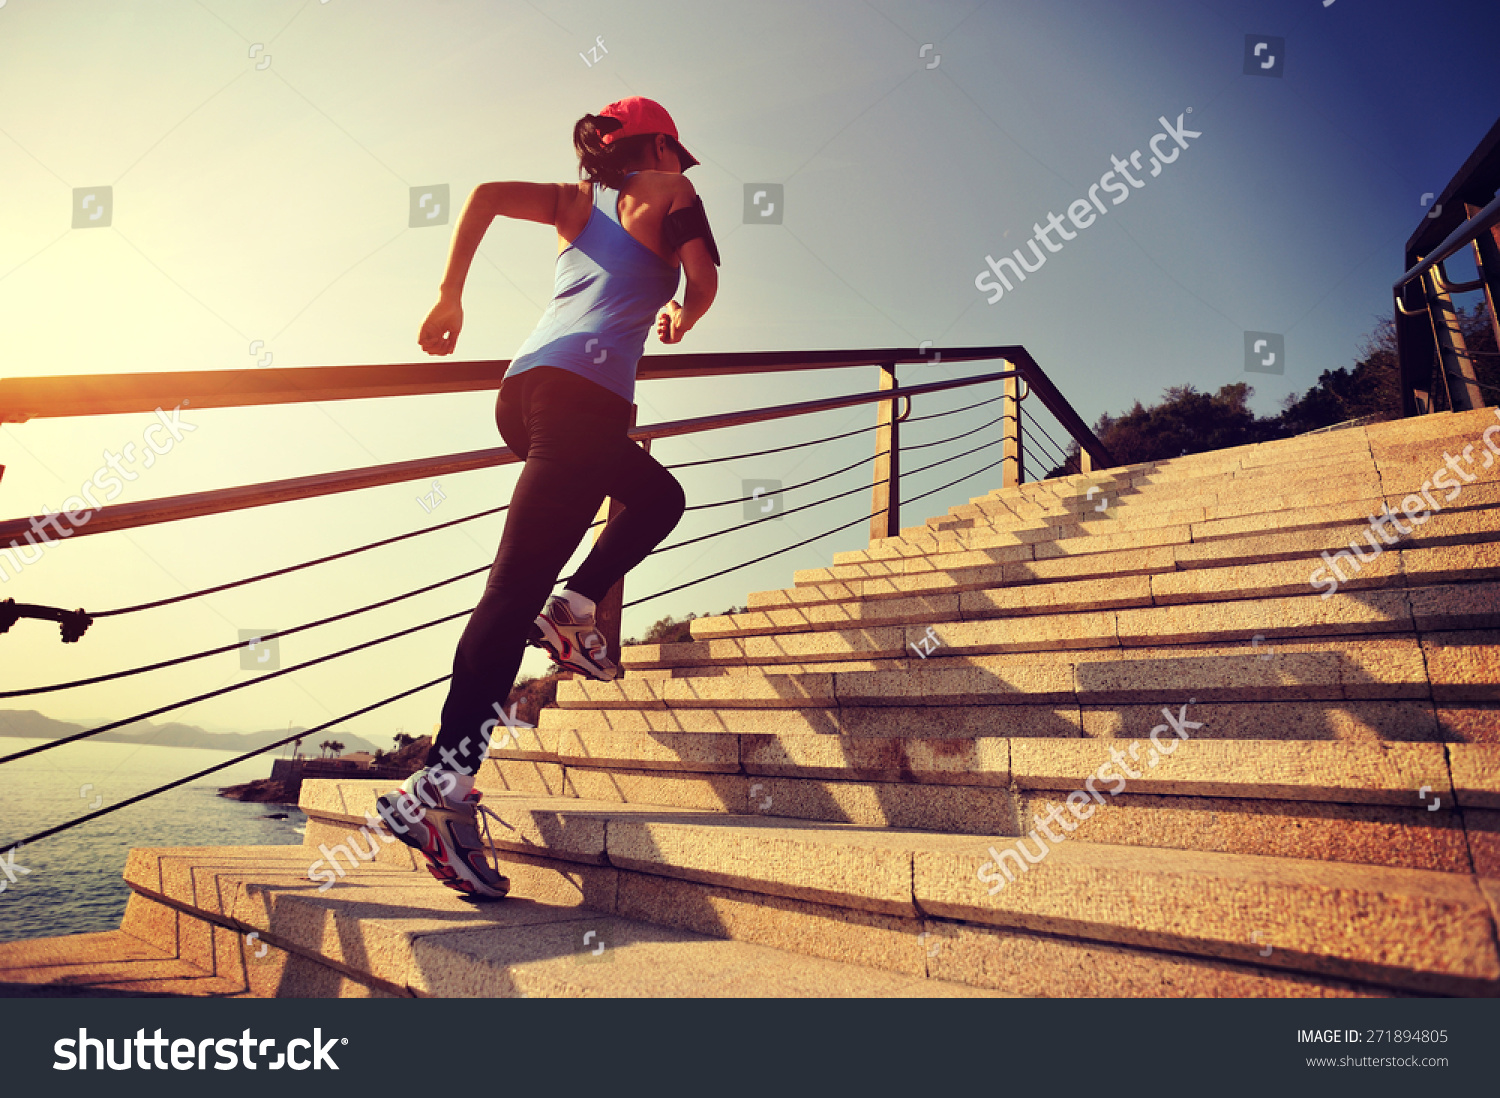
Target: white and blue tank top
607	292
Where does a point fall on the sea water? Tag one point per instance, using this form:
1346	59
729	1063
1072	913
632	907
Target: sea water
75	883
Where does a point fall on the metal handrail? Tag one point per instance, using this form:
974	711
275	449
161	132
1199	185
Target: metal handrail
1453	243
1429	334
27	398
149	512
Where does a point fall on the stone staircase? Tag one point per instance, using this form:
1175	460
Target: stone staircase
1243	788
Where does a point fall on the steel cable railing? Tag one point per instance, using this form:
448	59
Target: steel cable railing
223	649
1058	453
382	542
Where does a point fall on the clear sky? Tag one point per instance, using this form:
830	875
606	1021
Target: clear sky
268	200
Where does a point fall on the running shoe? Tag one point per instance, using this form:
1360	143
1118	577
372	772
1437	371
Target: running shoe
447	834
573	642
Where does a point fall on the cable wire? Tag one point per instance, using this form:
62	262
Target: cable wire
815	503
773	450
1043	431
831	438
1054	453
296	567
221	766
805	541
952	438
225	690
791	488
238	644
1035	448
954	411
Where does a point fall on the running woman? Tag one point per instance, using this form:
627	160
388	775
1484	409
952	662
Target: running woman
623	235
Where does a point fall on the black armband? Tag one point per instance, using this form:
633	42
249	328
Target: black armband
687	224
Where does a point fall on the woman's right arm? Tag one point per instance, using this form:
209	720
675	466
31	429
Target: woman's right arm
526	201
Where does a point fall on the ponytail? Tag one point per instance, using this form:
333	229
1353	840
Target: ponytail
601	163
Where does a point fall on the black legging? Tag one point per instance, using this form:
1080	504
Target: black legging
571	434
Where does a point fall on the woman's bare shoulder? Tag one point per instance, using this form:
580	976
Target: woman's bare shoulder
662	184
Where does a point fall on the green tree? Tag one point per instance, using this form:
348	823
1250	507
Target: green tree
1185	422
1372	386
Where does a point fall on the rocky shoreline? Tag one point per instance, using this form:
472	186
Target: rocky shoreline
263	791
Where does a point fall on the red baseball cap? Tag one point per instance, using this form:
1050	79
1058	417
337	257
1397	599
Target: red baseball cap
642	116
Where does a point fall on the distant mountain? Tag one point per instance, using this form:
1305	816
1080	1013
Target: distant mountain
29	724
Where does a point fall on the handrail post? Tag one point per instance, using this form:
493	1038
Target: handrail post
607	611
885	502
1014	467
1415	351
1457	365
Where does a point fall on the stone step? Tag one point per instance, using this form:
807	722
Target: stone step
1348	669
1350	504
1013	961
1012	589
1215	497
1423	931
1231	717
173	908
1455	527
1413	929
1207	478
1377	803
104	965
1422	441
1401	464
1241	460
1348	508
976	622
1280	769
1242	665
405	934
